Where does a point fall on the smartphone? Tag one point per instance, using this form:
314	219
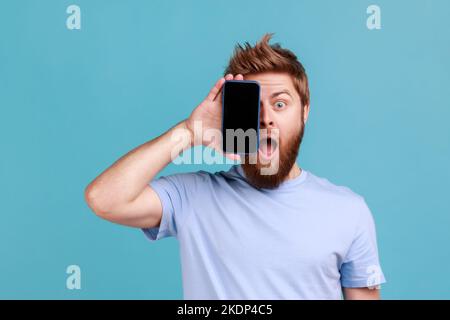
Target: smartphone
240	116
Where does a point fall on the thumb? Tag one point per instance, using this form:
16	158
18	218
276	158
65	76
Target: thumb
232	156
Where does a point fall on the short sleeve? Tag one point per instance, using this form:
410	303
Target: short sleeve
361	266
176	192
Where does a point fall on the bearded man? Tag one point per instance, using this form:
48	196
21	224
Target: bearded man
243	233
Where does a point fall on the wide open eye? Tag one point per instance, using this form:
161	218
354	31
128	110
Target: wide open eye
279	104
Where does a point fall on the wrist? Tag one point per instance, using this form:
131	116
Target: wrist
188	132
195	132
179	138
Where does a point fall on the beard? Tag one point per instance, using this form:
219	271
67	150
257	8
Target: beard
287	155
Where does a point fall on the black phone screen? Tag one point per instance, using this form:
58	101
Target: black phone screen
240	117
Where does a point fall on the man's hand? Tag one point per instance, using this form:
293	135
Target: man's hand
209	114
122	193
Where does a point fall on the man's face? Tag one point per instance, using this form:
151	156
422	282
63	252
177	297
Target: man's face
282	121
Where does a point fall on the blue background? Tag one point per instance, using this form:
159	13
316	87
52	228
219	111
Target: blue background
73	101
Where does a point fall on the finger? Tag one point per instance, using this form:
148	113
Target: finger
227	77
232	156
229	155
239	77
215	90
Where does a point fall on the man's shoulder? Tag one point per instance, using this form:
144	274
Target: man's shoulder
328	188
341	199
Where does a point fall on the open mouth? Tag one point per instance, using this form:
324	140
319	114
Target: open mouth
267	146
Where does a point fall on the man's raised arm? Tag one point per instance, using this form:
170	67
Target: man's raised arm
122	194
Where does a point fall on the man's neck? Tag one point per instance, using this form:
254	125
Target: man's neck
294	173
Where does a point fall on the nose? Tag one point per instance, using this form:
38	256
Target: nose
265	119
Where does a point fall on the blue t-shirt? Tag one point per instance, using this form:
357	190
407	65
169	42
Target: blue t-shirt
306	239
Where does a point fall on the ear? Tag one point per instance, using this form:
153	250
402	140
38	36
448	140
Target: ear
305	113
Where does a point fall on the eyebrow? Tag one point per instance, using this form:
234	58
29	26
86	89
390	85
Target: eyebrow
276	94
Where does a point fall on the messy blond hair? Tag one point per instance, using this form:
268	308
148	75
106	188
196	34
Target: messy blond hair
265	57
